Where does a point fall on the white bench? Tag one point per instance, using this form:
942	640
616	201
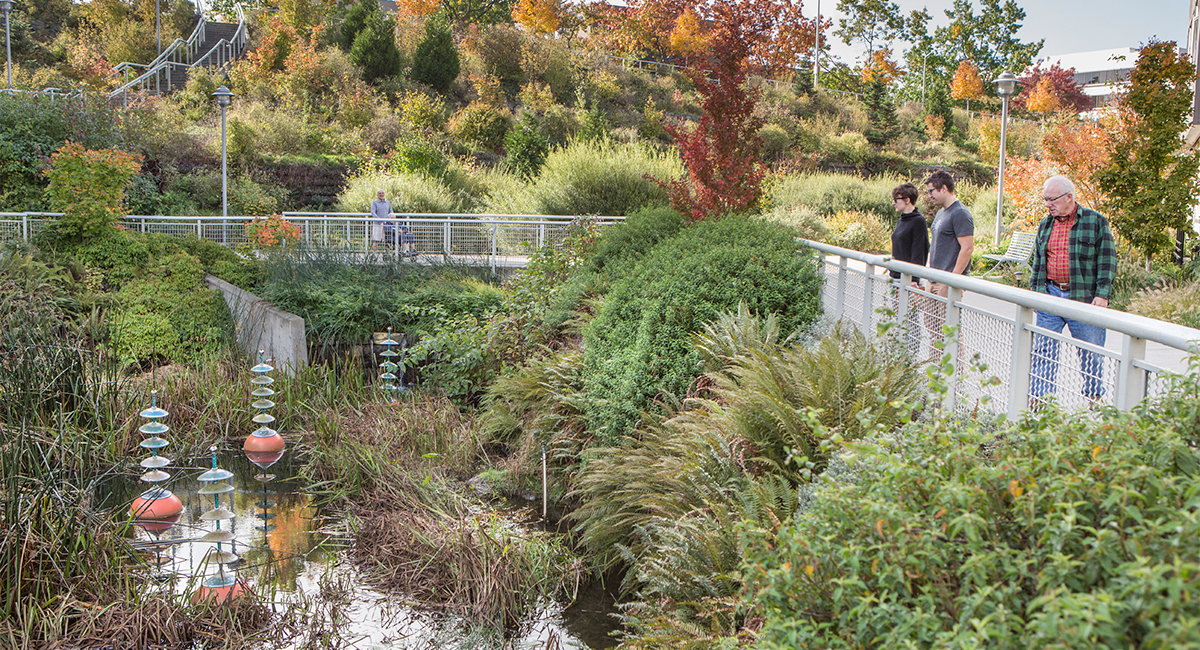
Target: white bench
1020	249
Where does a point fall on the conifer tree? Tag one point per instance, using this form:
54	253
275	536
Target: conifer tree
375	49
436	60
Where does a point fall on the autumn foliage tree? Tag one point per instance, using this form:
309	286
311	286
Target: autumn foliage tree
966	84
1042	99
1150	180
721	152
538	16
1060	83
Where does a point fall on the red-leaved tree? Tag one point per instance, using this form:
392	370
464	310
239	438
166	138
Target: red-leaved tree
1062	85
721	150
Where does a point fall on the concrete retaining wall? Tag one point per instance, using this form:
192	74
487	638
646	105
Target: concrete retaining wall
260	326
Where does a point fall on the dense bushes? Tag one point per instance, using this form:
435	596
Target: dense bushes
636	348
1063	532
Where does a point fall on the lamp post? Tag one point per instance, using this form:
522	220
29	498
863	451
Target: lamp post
223	96
817	58
6	6
1006	86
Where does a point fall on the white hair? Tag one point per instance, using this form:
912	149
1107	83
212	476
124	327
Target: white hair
1061	185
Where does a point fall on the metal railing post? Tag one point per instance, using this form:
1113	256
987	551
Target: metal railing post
868	300
494	226
841	289
446	237
199	229
1130	382
953	347
1020	362
25	228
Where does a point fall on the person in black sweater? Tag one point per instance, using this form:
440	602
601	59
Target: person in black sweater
910	243
910	239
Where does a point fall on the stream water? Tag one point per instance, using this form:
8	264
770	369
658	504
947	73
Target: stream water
287	549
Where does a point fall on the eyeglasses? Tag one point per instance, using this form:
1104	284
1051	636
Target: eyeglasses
1052	200
930	190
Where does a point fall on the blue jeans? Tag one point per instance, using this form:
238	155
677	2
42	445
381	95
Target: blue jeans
1045	352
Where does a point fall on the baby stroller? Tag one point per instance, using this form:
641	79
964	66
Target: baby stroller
390	230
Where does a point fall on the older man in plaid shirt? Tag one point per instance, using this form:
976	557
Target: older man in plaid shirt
1075	258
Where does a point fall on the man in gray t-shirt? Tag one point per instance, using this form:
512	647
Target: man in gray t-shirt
952	233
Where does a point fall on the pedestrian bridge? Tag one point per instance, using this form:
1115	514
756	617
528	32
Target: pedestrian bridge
493	241
989	332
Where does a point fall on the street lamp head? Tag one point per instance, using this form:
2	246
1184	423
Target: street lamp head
222	95
6	6
1006	84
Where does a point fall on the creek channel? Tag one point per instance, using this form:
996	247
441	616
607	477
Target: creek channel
301	554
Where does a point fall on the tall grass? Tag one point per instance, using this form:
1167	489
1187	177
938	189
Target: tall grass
597	178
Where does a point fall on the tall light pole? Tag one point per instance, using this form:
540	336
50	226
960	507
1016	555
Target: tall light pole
158	26
1006	86
6	6
817	61
223	96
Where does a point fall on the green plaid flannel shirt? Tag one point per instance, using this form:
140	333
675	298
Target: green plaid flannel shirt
1093	263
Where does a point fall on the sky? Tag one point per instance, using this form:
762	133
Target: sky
1067	26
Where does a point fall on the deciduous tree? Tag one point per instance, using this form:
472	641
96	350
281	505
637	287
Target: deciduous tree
538	16
966	84
1056	81
1150	182
989	39
873	22
1042	99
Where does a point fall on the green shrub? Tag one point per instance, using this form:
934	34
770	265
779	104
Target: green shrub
603	179
479	126
355	21
526	147
775	141
499	48
453	357
829	194
858	231
415	155
1064	532
407	192
137	336
624	244
636	348
802	219
424	113
32	127
435	62
119	255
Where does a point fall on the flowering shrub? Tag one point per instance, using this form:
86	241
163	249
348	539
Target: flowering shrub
272	232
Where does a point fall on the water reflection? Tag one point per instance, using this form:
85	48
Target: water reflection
298	560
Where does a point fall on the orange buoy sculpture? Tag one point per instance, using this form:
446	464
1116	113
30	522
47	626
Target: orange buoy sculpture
264	446
156	509
225	585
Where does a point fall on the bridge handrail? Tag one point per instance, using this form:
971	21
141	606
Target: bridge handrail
1169	334
997	325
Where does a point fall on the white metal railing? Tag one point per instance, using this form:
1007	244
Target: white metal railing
493	240
995	325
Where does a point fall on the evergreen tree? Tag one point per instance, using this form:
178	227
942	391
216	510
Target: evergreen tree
881	112
374	49
937	108
527	148
436	60
356	19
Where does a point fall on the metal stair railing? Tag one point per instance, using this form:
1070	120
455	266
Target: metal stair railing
183	54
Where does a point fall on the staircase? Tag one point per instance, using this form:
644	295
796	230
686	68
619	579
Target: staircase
214	33
212	44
